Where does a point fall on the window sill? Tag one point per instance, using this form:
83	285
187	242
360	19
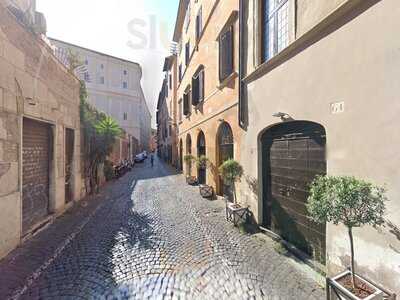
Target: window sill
227	80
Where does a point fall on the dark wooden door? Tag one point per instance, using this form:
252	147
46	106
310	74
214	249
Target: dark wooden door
181	156
35	173
201	150
69	155
293	156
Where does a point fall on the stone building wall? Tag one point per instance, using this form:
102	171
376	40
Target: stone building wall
343	54
33	84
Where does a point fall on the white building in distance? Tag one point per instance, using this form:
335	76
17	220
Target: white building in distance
114	87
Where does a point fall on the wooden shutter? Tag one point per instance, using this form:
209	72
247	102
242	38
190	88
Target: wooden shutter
195	90
187	53
186	104
201	85
199	24
226	54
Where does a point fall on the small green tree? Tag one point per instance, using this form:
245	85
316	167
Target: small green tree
202	162
231	171
189	159
99	135
348	201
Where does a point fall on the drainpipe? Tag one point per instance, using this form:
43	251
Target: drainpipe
242	106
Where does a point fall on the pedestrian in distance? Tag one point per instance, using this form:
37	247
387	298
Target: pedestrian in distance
152	160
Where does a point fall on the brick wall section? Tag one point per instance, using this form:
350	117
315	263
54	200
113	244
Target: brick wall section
33	84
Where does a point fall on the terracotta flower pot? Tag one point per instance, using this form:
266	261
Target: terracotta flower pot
191	180
206	191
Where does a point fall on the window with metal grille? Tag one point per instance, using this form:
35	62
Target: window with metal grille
125	116
226	54
275	27
198	86
199	24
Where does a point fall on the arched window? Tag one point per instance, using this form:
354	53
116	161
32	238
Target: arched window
225	142
188	144
225	151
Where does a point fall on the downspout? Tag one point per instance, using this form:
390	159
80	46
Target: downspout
242	107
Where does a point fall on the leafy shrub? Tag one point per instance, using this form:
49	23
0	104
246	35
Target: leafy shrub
109	170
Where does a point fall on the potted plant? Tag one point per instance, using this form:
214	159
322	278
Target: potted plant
206	191
353	203
231	171
189	159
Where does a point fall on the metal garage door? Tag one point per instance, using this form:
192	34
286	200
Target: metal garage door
35	173
293	155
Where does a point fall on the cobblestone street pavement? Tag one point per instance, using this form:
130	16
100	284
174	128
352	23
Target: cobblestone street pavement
151	236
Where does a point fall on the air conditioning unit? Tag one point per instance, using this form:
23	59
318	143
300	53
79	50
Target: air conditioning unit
40	26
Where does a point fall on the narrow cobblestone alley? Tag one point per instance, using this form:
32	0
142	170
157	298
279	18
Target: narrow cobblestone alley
151	236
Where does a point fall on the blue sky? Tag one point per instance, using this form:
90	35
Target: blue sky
128	29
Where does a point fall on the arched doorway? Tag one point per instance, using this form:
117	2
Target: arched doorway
181	155
201	151
225	148
293	154
189	152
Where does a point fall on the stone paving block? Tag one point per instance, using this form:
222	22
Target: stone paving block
159	240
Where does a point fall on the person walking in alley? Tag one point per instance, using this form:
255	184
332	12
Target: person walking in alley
152	160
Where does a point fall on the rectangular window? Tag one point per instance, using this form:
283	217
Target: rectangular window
275	31
170	81
180	73
198	87
187	53
226	54
125	72
102	80
125	116
125	85
186	103
199	24
180	110
187	17
86	76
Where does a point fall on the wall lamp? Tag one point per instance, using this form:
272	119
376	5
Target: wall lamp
282	116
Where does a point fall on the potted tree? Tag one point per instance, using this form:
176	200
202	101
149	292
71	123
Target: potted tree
353	203
206	191
231	171
189	159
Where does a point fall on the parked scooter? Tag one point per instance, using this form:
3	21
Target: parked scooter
123	167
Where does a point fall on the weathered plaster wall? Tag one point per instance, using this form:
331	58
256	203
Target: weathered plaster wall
220	99
358	63
32	84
